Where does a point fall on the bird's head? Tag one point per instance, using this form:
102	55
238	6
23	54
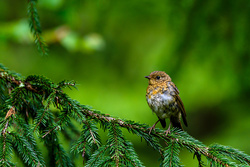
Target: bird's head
157	77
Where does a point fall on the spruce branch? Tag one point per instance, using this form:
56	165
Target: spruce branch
230	152
58	156
116	152
99	157
40	119
25	135
171	155
5	151
35	27
26	150
198	156
32	98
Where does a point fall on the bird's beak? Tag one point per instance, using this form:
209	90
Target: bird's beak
147	77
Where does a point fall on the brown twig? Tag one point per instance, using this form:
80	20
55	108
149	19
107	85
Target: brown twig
49	131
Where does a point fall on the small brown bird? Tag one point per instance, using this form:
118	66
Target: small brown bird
164	100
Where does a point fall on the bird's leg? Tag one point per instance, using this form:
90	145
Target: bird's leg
168	130
153	127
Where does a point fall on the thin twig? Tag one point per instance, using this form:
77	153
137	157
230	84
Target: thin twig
49	131
39	121
5	128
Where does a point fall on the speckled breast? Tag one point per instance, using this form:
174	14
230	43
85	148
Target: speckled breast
161	102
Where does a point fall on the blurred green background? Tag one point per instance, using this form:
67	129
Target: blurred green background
109	46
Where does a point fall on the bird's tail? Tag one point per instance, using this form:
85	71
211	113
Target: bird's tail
176	122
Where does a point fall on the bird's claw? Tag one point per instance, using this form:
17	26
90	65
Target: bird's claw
167	132
150	129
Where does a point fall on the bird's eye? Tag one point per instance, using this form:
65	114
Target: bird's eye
158	77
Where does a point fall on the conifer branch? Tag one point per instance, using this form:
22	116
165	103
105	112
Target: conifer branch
89	140
5	128
24	135
231	152
36	94
26	150
35	27
172	159
40	120
4	153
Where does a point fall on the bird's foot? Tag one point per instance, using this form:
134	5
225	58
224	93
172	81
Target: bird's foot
153	127
168	130
150	129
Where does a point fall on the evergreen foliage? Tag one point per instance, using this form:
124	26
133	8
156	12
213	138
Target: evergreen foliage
35	27
172	159
27	111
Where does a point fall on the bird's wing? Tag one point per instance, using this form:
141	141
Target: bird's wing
175	92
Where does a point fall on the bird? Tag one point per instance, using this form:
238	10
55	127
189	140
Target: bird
163	98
